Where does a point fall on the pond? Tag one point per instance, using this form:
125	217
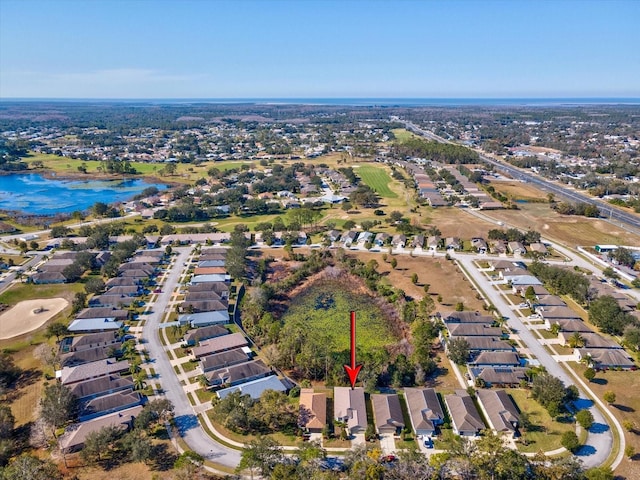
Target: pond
34	194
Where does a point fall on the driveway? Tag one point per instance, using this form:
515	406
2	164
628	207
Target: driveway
185	418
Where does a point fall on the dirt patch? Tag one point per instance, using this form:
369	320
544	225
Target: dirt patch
444	278
29	315
453	222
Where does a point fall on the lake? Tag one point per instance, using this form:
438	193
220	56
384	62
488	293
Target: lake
34	194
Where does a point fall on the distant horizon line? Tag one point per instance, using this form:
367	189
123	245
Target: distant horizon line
346	101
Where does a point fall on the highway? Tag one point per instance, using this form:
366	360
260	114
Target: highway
612	214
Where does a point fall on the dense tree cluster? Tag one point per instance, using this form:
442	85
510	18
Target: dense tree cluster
272	412
550	392
514	235
562	281
580	208
436	151
606	313
485	459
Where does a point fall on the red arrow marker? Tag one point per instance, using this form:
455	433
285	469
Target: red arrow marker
353	370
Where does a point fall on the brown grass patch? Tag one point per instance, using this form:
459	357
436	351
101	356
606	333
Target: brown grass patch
442	275
520	191
626	386
568	230
453	222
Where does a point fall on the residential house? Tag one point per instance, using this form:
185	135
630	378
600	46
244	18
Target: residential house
453	243
106	312
89	355
219	344
473	330
465	418
380	239
107	404
92	325
349	238
418	241
313	410
517	248
498	376
349	407
254	388
499	247
228	358
496	359
499	410
75	435
605	358
493	344
399	241
425	410
479	244
204	333
238	373
433	243
387	414
203	319
97	387
539	249
92	340
589	340
467	317
86	371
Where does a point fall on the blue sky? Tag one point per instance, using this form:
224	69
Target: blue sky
306	48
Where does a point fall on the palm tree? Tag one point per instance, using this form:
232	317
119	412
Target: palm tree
139	381
576	340
202	380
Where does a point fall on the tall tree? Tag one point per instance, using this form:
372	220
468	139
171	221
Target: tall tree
58	405
262	455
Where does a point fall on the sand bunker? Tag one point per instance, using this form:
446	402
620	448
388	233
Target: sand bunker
29	315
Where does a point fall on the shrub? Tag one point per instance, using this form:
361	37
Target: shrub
570	441
585	419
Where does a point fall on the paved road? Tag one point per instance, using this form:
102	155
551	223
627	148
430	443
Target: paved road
600	439
616	216
186	420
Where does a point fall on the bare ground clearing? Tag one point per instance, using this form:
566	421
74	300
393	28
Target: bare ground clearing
29	315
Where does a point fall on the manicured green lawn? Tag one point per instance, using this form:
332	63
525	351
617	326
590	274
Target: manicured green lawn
547	432
376	178
402	135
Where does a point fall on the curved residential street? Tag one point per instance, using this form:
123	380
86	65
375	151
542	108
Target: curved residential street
185	417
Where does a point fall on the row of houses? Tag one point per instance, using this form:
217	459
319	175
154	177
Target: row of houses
109	310
493	361
595	349
206	301
424	409
100	382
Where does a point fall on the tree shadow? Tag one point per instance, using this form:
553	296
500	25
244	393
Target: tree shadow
600	381
163	459
623	408
186	422
585	451
599	428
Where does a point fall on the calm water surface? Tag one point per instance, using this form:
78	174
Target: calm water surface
34	194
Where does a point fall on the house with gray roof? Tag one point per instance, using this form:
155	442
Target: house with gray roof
203	319
110	403
496	359
473	330
219	344
204	333
254	388
106	312
425	410
606	358
499	410
465	418
238	373
92	325
90	340
97	387
387	414
223	359
86	371
499	376
75	435
89	355
349	407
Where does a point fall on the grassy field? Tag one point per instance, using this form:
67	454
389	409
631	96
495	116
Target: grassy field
402	135
519	191
569	230
25	291
185	172
442	276
547	432
325	307
377	178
